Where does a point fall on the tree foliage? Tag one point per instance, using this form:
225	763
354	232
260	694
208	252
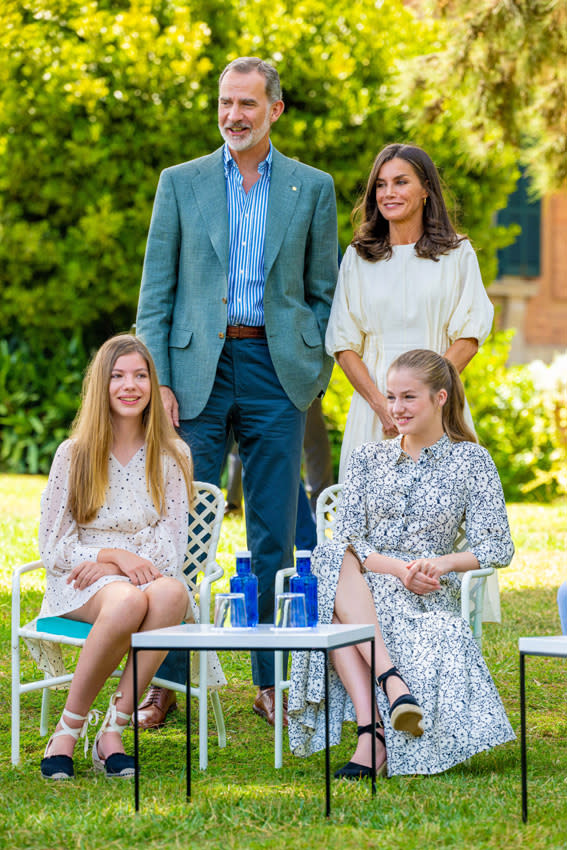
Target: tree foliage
96	97
506	60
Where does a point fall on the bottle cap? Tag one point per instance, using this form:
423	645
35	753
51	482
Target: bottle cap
244	554
303	553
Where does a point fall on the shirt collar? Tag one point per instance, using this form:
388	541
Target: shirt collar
264	167
434	452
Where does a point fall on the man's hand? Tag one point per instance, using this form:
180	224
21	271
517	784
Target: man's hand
170	404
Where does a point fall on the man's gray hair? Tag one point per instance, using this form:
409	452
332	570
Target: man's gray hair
247	64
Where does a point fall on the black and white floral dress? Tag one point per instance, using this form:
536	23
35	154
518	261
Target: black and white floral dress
407	510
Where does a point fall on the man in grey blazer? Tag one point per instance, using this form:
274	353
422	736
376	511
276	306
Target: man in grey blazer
239	274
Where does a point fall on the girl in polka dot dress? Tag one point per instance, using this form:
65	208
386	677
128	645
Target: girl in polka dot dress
112	537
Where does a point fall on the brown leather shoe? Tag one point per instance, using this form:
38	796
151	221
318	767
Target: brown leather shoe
153	710
265	705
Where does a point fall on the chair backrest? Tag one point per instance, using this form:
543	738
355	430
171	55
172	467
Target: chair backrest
205	520
327	504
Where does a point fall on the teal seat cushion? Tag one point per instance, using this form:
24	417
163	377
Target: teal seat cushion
63	626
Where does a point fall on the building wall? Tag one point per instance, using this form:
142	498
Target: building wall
546	313
537	307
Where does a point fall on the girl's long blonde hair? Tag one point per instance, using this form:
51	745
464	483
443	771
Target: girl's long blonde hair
438	373
93	436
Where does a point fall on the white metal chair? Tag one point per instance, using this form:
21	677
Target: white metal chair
200	569
472	598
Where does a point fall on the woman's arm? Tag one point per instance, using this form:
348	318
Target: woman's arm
138	569
359	376
461	352
486	520
417	580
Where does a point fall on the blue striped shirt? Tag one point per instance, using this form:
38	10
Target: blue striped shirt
247	225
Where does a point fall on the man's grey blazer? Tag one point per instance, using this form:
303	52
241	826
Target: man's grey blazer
182	311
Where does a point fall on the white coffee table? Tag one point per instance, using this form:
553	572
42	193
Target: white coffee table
551	647
193	637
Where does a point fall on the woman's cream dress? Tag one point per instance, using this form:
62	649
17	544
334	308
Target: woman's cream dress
384	308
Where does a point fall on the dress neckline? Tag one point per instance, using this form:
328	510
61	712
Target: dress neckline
125	465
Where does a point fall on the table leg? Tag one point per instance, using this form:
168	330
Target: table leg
136	731
373	712
188	723
523	738
327	754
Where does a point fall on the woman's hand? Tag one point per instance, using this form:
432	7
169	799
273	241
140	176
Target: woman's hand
380	408
87	572
359	376
422	575
139	570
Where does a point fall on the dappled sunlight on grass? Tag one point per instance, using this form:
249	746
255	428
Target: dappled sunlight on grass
241	801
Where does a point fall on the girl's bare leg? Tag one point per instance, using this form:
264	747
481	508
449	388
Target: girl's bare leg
354	673
167	603
116	611
354	604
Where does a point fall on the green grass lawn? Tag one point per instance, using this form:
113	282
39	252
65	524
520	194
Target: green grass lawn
241	801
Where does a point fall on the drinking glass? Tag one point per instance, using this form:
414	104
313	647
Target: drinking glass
230	611
290	611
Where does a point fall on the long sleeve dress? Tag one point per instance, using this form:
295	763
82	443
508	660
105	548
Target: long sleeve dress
127	520
407	510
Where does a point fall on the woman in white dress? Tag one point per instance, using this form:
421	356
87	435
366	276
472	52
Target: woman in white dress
406	281
391	563
112	537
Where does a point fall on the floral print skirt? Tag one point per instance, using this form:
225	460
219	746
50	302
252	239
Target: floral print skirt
434	649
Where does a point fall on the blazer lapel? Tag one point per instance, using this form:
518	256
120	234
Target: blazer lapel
285	187
210	191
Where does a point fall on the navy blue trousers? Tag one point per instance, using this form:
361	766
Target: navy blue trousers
248	397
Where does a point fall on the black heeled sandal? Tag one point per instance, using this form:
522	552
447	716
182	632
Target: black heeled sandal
355	771
405	713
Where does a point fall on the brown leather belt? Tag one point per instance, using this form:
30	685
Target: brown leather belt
245	332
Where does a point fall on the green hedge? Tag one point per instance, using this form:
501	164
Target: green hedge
522	423
39	396
519	412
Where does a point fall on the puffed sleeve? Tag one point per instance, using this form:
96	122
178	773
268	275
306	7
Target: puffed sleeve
344	332
486	520
351	526
165	541
473	313
59	541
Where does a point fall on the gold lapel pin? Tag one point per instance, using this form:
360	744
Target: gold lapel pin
294	188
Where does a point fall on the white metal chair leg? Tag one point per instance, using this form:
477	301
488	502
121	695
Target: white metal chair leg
219	718
44	718
15	703
203	706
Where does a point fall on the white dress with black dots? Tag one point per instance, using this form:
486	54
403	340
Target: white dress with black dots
127	520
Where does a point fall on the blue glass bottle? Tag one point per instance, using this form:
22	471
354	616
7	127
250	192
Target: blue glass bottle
305	582
246	582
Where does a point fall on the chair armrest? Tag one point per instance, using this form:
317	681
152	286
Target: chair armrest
213	575
281	575
16	588
468	577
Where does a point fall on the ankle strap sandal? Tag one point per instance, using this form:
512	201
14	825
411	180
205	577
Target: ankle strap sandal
355	771
61	767
116	764
405	713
